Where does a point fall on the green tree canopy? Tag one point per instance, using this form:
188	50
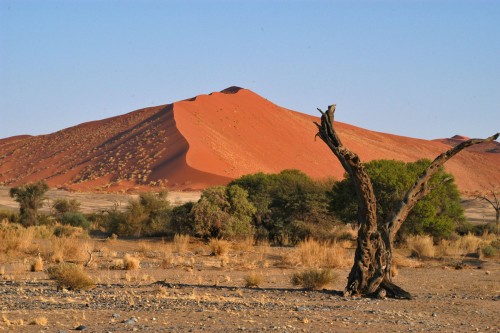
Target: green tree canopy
223	212
290	206
436	214
147	215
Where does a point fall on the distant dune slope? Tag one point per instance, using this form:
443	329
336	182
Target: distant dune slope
209	140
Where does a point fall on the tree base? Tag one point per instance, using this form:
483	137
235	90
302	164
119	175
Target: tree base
393	291
386	290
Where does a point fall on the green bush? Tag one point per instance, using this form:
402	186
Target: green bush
182	221
30	198
223	212
75	220
489	251
290	206
62	206
149	215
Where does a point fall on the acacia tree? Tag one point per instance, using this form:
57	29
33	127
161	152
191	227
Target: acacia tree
30	198
371	271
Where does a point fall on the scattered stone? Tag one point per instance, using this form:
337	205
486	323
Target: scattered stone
81	328
131	321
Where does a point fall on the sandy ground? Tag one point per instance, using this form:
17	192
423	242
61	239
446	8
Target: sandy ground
201	295
93	202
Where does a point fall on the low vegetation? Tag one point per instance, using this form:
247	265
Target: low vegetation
234	227
254	280
314	278
283	209
70	276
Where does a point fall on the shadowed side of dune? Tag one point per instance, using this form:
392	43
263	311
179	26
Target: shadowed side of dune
172	165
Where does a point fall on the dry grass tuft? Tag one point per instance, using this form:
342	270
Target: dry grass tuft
68	249
219	247
181	243
470	243
314	279
462	245
345	232
254	280
246	244
224	260
15	238
311	253
40	321
117	264
130	263
37	265
70	276
8	323
421	246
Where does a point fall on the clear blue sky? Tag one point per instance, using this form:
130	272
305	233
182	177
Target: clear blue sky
426	69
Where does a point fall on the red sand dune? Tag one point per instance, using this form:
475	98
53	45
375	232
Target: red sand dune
489	147
209	140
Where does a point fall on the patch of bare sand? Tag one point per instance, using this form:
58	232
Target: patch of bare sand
94	202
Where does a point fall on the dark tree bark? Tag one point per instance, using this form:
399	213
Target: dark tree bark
371	273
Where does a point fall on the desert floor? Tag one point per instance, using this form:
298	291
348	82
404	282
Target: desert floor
93	202
187	289
183	287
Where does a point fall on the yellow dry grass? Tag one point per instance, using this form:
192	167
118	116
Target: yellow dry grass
131	263
37	265
314	278
254	279
421	246
463	245
311	253
40	321
181	243
219	247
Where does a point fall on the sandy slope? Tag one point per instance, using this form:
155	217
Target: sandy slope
209	140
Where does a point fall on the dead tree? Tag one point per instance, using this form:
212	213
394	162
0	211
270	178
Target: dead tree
494	201
371	273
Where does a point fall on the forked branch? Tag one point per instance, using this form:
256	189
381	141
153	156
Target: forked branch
422	187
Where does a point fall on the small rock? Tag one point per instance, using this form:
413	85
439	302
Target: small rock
434	314
301	308
130	321
81	328
116	315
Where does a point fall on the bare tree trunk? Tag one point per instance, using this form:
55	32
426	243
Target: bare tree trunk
371	272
